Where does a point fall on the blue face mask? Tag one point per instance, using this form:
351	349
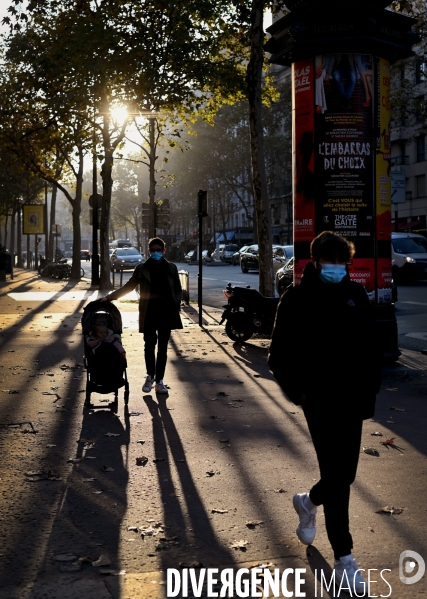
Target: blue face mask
156	255
333	273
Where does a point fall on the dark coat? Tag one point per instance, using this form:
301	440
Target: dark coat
141	278
324	345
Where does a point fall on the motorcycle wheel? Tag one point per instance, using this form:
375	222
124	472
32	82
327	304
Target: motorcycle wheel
239	328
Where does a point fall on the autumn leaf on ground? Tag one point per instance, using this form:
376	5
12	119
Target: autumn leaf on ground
371	451
239	545
390	510
252	523
388	441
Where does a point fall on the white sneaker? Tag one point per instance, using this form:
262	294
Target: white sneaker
148	385
348	577
306	529
161	387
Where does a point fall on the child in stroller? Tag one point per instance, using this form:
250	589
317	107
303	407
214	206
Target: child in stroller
105	359
102	334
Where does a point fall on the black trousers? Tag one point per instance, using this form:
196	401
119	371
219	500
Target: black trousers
336	438
156	333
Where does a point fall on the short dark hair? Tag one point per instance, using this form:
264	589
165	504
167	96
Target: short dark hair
329	246
156	241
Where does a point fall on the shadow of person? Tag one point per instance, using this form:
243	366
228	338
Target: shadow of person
322	571
250	353
190	524
95	502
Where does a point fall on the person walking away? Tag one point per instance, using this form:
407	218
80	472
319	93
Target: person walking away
159	306
326	358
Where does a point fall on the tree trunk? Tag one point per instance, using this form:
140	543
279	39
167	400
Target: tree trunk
12	232
262	212
52	221
19	235
77	208
152	193
6	223
138	232
107	184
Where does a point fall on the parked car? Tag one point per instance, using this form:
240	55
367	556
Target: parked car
408	256
235	260
214	255
281	254
191	255
227	252
85	255
123	243
125	259
284	276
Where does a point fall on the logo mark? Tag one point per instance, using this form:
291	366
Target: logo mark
408	561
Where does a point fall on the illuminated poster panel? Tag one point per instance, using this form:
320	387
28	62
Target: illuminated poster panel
304	183
345	155
33	219
341	140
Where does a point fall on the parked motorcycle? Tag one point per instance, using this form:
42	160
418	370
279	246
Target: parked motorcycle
248	312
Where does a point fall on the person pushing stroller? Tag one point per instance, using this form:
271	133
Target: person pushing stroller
160	296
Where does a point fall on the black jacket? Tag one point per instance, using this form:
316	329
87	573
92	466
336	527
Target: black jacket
324	345
141	278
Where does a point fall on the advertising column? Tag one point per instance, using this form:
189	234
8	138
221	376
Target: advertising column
341	162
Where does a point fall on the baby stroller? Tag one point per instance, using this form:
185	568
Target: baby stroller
105	367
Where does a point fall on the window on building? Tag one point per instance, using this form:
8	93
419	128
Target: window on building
421	186
421	148
420	70
419	108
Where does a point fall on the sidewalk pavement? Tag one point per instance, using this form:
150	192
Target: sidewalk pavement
225	452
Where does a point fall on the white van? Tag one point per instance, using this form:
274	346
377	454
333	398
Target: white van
408	256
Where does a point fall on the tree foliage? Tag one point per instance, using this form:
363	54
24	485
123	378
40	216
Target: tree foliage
83	57
409	76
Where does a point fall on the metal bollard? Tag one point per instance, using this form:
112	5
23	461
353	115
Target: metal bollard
185	284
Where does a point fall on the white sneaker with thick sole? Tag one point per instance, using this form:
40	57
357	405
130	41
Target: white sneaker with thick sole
161	387
306	529
349	576
148	385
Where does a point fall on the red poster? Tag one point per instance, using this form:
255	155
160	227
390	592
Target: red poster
303	150
299	266
362	270
384	280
